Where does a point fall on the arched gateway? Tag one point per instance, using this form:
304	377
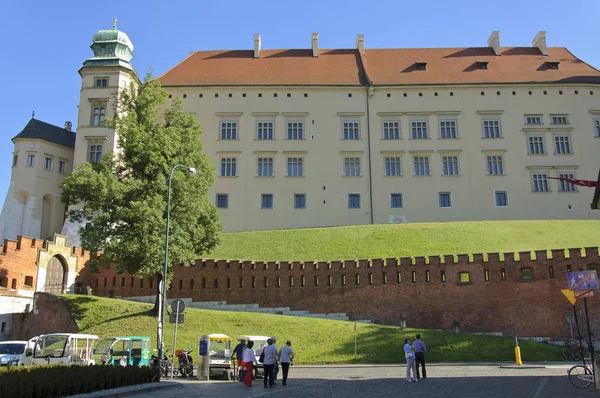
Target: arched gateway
56	273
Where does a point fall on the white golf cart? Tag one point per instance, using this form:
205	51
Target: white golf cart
65	348
259	343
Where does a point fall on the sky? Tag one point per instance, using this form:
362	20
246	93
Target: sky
46	42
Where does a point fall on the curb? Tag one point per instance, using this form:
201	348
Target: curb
522	367
127	391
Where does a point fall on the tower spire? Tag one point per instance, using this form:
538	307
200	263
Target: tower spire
32	114
115	23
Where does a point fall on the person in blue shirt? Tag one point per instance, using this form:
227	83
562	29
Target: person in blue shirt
420	349
409	355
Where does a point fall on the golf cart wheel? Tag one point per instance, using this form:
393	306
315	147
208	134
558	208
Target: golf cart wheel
123	361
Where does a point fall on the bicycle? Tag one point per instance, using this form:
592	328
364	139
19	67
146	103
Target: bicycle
581	376
574	351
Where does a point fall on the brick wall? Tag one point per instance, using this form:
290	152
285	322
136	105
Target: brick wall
18	269
495	292
51	314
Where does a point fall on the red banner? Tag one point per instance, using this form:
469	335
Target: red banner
583	183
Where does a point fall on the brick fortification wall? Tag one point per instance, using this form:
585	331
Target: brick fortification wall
51	314
479	293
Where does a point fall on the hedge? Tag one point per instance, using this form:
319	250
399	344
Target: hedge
59	381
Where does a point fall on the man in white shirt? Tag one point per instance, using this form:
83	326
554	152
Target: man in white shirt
276	365
270	358
286	355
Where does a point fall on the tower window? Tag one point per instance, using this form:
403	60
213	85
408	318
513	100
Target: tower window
98	114
101	82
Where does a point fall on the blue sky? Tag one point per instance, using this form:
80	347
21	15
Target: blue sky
46	42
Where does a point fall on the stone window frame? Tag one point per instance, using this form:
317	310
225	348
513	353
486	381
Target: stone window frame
31	155
62	165
102	106
94	141
48	160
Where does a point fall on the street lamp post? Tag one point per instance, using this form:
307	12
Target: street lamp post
162	289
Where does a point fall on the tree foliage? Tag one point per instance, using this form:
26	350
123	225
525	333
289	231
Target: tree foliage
122	201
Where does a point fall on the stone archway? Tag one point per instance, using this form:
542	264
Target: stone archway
56	273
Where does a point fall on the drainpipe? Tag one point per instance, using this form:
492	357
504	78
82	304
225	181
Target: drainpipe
368	89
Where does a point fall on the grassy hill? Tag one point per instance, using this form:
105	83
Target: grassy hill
384	240
316	341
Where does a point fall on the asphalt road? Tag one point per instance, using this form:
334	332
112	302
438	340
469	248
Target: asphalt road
444	380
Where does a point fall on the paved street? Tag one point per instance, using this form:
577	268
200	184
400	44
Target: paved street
465	381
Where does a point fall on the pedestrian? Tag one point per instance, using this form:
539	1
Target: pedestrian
276	366
238	352
249	361
270	357
409	355
420	349
286	355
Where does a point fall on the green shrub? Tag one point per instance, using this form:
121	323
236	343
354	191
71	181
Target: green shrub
60	381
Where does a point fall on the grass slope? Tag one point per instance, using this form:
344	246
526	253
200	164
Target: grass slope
316	341
383	240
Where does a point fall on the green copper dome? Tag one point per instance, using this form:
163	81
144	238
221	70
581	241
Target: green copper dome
111	47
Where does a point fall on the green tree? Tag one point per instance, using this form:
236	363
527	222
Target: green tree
122	201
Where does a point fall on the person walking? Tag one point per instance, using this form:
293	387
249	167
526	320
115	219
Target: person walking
249	361
409	355
270	357
286	355
420	349
238	352
277	360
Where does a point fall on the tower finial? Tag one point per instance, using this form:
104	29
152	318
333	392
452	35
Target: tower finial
115	23
32	114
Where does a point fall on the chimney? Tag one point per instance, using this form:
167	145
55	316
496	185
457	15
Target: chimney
494	42
256	45
315	45
360	44
539	41
68	125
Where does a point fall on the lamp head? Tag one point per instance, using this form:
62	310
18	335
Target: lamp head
192	170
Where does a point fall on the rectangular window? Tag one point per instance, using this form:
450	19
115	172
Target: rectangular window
597	128
352	167
562	144
264	130
351	130
222	200
419	130
464	277
536	145
30	160
392	166
526	274
295	167
540	182
15	159
486	275
191	284
396	200
443	276
229	130
391	130
560	119
98	116
29	281
265	167
101	82
354	201
450	165
495	165
421	165
413	276
61	166
295	130
445	199
491	128
123	282
228	167
551	272
501	198
13	284
448	129
95	153
300	201
48	163
266	201
533	119
565	186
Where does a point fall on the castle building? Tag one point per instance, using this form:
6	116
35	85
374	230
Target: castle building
324	137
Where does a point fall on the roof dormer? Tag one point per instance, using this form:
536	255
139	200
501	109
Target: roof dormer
552	64
482	64
421	65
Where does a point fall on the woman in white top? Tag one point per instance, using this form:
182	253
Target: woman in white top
286	354
249	361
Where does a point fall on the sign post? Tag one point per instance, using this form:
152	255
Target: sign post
177	306
355	326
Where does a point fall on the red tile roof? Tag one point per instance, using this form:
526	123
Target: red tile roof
381	66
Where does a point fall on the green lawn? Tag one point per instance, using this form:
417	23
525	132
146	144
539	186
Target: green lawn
411	239
316	341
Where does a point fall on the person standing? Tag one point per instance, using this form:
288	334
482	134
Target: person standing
286	355
249	360
277	360
420	349
409	355
270	357
238	351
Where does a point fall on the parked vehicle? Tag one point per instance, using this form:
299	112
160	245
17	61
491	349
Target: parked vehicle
185	363
124	351
219	356
259	343
65	348
16	353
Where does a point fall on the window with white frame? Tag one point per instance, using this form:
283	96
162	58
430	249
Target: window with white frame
597	128
351	129
391	129
450	165
352	166
354	201
222	201
101	82
392	166
229	130
559	119
533	119
30	160
495	165
501	198
265	167
448	129
229	167
562	144
491	128
396	201
566	186
421	164
95	152
264	130
445	199
295	129
62	166
539	181
295	167
48	163
536	144
299	201
266	201
418	129
98	114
